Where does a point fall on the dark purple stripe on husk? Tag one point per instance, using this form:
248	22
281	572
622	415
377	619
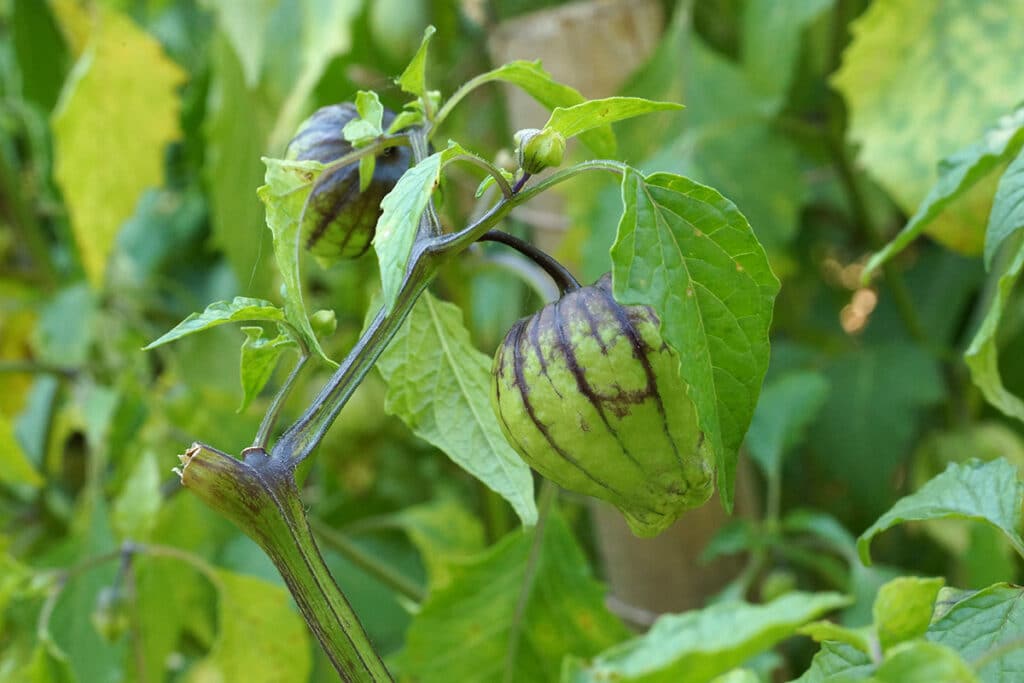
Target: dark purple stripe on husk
563	345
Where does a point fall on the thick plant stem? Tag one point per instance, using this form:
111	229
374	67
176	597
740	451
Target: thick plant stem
259	495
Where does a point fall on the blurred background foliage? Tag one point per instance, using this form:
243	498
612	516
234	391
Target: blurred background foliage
131	133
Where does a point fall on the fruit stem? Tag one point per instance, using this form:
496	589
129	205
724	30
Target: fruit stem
559	273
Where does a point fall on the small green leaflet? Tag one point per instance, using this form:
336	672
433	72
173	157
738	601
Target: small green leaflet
284	196
694	647
239	309
689	253
924	662
990	492
257	361
364	129
400	220
538	84
586	116
903	609
414	80
982	356
957	174
439	384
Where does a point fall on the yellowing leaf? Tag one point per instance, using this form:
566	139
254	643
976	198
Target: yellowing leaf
15	467
923	78
118	110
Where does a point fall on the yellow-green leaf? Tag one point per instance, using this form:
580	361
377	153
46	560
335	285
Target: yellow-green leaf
118	111
923	78
15	467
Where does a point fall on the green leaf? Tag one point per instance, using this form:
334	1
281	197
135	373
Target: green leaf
118	111
696	646
538	595
580	118
980	625
440	384
241	308
783	412
738	676
689	253
284	196
258	360
957	174
837	663
982	356
445	533
237	122
260	639
990	492
324	32
245	24
538	84
136	508
903	609
414	80
922	662
865	430
400	216
15	467
921	80
66	329
771	41
1007	215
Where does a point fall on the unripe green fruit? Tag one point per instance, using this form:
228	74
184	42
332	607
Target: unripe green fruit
110	614
590	396
537	150
340	221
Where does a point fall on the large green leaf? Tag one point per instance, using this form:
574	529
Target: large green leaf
982	356
288	184
689	253
238	121
990	492
440	385
512	614
445	533
980	624
923	78
261	639
957	174
1007	215
118	111
771	41
784	410
696	646
868	423
245	24
239	309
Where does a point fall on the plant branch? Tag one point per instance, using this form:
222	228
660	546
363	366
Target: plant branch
555	270
274	411
491	169
260	497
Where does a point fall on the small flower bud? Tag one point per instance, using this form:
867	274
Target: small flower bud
539	149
